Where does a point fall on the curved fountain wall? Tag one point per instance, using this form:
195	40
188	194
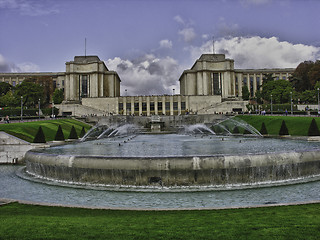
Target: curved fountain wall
175	171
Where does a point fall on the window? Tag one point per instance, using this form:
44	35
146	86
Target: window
13	83
159	106
258	83
144	106
120	107
251	87
167	106
245	81
151	106
175	106
216	84
128	106
183	106
136	107
84	86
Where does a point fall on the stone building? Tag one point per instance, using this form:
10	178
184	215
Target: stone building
210	86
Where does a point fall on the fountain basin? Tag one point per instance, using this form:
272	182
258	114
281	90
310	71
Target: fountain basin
187	168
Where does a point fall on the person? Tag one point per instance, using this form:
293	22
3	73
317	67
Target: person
7	119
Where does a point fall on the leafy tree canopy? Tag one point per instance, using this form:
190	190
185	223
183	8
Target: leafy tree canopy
245	93
280	90
58	96
4	88
30	92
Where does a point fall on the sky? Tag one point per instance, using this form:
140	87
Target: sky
151	42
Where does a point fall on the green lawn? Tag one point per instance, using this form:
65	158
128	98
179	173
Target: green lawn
297	126
28	130
19	221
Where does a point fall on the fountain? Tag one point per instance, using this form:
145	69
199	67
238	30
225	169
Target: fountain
196	158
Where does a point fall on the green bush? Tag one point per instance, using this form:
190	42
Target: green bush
73	133
313	129
263	129
236	130
82	133
283	129
39	138
59	135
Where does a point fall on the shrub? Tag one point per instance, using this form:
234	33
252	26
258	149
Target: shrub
283	129
59	135
263	129
39	138
313	129
246	131
236	130
83	132
73	133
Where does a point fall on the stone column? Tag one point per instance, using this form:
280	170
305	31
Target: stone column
171	105
204	83
163	105
140	106
199	84
254	84
124	102
148	105
179	105
156	105
132	105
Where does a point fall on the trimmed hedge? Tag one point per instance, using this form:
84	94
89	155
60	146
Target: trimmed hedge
73	133
59	135
283	129
313	128
39	138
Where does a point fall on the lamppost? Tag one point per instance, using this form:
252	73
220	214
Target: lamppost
173	91
318	102
21	109
291	104
271	105
126	92
39	108
52	109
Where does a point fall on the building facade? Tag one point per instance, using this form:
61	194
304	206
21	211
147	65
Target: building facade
210	86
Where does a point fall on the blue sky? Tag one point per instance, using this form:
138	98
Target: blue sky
149	43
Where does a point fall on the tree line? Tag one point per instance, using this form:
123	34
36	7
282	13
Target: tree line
302	86
29	93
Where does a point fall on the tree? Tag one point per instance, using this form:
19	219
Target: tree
313	129
300	77
280	90
4	88
9	100
283	129
58	96
73	133
268	77
39	138
83	132
30	92
263	129
314	74
245	92
236	130
59	135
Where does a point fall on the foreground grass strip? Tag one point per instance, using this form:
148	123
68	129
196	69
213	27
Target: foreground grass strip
28	130
18	221
297	126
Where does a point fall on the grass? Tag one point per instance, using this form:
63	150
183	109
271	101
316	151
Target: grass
18	221
297	126
28	130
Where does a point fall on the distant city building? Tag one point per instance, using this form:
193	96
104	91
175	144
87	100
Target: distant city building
212	85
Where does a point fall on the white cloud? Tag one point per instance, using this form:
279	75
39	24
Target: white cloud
147	75
258	52
165	43
29	7
6	66
188	34
179	19
28	67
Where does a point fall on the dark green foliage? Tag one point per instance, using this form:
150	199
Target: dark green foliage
246	131
59	135
39	138
236	130
245	93
263	129
313	129
73	133
283	129
82	133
